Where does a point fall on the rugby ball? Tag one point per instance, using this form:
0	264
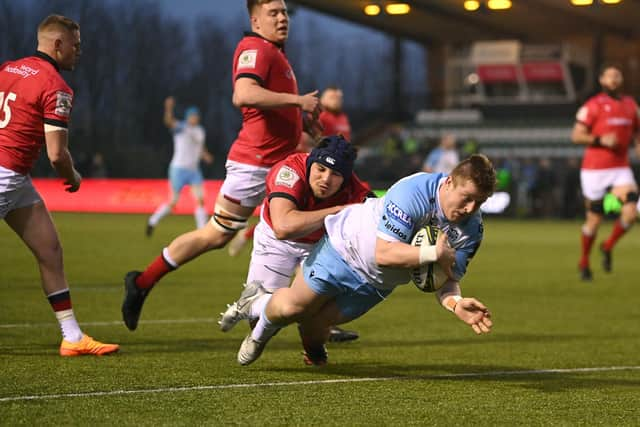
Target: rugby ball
429	277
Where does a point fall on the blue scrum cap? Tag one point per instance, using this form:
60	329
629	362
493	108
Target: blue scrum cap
336	153
191	111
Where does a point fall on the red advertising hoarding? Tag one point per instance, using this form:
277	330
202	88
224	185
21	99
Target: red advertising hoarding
498	73
543	72
120	195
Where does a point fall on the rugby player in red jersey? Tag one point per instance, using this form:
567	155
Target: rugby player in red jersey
334	121
301	191
35	105
266	91
607	124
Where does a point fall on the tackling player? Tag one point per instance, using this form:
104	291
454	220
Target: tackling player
184	169
301	191
35	105
266	90
354	268
606	124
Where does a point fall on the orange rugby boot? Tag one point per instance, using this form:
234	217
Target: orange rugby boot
87	345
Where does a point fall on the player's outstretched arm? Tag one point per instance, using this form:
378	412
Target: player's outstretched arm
169	118
288	222
60	158
474	313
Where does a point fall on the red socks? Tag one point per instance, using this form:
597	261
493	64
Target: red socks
618	231
587	243
154	272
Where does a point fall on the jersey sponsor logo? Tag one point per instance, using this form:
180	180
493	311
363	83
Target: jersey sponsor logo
287	177
395	230
398	214
24	71
455	236
63	104
247	59
618	121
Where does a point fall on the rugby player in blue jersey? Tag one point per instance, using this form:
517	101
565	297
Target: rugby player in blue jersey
352	268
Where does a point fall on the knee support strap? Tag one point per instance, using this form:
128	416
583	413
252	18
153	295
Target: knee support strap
632	196
227	222
596	206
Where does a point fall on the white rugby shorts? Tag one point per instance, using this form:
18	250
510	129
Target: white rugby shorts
273	261
595	182
16	191
245	183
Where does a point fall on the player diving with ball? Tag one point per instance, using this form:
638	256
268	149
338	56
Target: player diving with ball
353	267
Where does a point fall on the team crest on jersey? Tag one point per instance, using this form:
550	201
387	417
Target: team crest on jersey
63	104
287	177
247	59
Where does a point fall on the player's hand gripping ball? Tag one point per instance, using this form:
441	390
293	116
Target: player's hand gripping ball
428	277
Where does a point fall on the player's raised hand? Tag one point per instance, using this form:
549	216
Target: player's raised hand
73	184
309	101
169	103
445	253
312	126
474	313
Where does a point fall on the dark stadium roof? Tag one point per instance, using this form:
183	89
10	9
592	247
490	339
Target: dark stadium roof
435	21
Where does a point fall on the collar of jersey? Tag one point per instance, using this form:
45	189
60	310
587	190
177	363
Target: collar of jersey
440	212
252	34
49	59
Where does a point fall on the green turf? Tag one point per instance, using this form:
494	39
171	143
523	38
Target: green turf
409	362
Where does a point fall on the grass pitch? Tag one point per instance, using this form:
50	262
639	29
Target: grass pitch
561	353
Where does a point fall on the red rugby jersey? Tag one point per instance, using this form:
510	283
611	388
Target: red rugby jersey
32	94
267	136
289	179
603	114
335	124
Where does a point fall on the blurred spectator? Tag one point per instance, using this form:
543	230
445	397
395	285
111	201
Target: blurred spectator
572	196
98	166
334	121
542	191
443	158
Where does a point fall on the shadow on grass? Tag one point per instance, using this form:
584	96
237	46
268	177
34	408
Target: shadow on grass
518	376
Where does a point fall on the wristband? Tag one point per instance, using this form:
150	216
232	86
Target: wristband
428	254
596	142
452	302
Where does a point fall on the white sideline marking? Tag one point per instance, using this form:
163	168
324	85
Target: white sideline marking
335	381
109	323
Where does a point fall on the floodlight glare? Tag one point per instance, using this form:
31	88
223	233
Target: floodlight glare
397	8
499	4
610	1
471	5
372	10
582	2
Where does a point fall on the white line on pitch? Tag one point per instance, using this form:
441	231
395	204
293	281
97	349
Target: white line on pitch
334	381
109	323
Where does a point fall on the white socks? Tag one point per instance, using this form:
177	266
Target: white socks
69	326
257	307
162	211
200	214
264	329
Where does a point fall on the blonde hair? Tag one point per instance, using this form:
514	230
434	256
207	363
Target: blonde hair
251	4
478	169
58	22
